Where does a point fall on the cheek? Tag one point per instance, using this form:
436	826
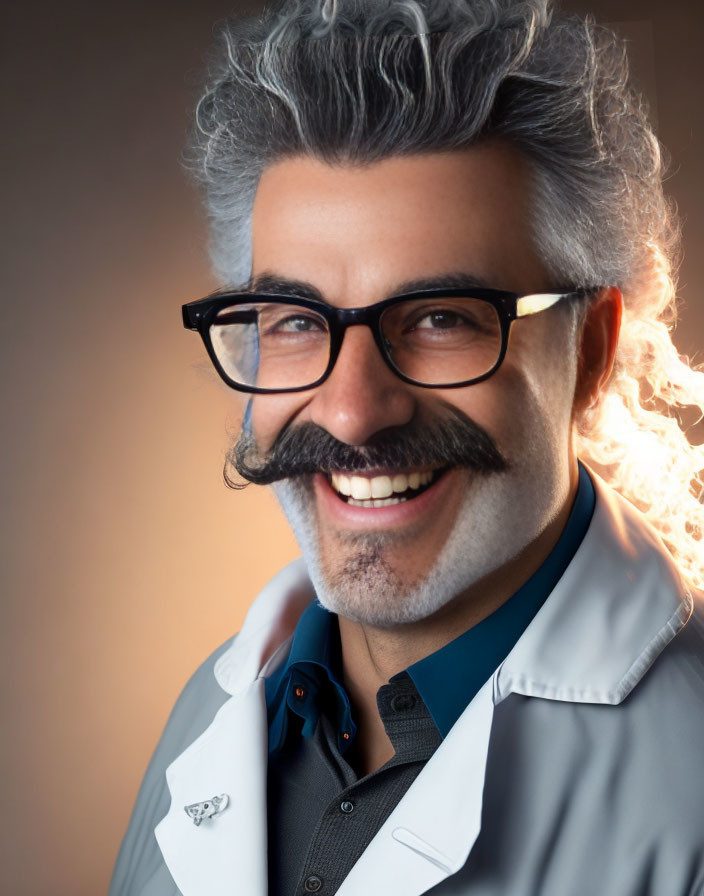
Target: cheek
545	370
525	407
496	405
554	377
269	414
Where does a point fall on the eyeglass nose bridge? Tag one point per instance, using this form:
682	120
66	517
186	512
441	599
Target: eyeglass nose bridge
370	316
350	317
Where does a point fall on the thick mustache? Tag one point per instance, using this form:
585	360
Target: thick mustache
452	441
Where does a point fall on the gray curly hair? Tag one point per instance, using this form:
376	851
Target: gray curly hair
362	80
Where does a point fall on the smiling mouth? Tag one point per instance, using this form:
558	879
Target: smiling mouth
383	490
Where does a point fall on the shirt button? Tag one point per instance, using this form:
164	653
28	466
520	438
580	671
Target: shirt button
403	702
312	884
346	806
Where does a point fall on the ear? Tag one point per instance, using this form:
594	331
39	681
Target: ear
597	347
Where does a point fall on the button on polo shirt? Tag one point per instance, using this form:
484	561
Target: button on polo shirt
321	816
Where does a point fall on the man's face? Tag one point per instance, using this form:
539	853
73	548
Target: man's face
358	234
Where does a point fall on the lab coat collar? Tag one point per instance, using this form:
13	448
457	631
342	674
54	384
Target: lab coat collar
618	604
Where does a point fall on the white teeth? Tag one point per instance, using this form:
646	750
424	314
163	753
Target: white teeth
379	502
399	483
379	490
341	483
360	488
381	487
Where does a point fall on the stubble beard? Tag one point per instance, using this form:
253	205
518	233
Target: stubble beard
499	515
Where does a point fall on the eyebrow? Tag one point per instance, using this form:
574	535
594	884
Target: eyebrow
268	282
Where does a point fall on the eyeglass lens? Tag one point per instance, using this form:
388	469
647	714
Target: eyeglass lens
435	341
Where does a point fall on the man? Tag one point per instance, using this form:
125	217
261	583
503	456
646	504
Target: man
447	244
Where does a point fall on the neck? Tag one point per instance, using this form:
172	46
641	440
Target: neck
371	655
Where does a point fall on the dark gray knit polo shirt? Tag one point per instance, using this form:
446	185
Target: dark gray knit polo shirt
321	815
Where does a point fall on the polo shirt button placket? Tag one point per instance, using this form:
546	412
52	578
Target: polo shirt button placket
312	884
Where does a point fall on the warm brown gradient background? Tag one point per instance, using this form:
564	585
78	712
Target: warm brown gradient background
127	559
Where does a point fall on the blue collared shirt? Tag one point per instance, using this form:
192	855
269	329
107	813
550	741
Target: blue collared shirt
310	681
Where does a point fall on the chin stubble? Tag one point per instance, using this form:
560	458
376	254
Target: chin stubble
362	580
503	506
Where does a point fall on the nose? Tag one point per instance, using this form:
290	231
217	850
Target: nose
362	395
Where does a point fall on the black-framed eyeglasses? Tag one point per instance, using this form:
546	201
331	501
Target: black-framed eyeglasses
436	338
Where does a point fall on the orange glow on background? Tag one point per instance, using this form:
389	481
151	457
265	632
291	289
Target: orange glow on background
127	560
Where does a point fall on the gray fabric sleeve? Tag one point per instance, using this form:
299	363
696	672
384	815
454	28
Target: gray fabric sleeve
140	868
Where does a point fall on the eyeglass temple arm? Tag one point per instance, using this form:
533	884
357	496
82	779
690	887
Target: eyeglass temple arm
192	317
532	304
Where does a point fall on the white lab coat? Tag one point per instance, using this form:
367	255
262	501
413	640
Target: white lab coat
575	771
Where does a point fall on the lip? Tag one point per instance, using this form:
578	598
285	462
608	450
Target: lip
346	516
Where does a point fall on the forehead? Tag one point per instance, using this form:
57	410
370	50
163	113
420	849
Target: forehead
363	230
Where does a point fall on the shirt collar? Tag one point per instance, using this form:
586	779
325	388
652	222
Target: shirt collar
299	685
316	639
448	679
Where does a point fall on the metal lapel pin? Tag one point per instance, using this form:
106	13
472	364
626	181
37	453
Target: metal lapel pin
208	808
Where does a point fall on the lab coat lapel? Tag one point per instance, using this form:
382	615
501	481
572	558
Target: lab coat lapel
229	757
227	853
431	831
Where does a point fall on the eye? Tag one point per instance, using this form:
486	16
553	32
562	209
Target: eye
442	319
298	325
290	322
445	322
